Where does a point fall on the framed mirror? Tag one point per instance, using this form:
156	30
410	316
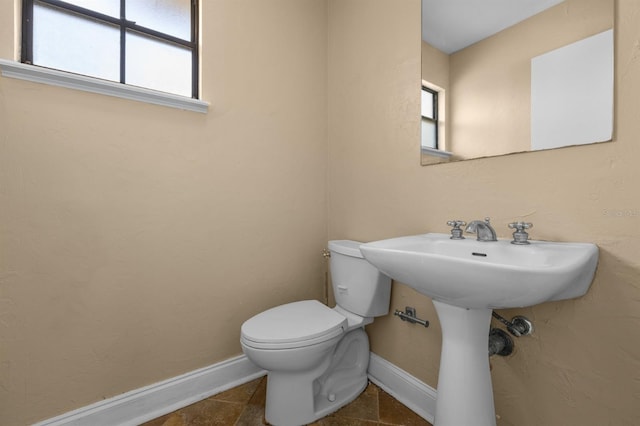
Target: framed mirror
501	77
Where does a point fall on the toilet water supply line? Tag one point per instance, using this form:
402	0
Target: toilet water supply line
409	315
326	254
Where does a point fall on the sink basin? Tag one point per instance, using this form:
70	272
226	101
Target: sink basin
467	279
480	274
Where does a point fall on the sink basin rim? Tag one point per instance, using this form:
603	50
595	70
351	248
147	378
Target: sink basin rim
475	282
485	247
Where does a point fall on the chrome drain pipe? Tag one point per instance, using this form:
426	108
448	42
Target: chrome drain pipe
500	343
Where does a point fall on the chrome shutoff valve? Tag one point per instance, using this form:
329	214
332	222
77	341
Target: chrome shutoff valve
456	232
520	236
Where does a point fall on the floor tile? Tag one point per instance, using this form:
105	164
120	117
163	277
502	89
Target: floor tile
244	406
393	412
241	394
252	415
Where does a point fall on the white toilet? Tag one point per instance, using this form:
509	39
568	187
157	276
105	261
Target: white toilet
317	357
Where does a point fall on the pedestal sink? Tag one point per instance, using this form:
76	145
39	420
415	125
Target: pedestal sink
467	279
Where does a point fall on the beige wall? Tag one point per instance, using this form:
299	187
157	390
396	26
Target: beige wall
582	364
435	66
136	239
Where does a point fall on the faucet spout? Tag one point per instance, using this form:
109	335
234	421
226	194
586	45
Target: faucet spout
483	229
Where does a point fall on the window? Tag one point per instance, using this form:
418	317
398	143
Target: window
150	44
430	126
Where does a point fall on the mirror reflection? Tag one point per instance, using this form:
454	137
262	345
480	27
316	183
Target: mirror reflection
500	77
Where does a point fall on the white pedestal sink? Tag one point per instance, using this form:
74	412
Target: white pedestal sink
467	279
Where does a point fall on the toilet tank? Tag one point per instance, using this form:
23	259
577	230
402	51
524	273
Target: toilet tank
358	286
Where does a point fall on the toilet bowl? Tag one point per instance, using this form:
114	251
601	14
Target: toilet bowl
316	357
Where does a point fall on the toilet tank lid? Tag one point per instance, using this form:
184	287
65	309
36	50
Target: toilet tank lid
346	247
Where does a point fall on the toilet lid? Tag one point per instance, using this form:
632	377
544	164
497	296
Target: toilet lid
293	325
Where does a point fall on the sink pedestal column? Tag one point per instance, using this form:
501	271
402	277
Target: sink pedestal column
465	393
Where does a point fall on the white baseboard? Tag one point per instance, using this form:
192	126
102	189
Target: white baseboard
150	402
411	392
158	399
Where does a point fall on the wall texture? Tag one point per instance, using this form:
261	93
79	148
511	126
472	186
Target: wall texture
135	239
582	364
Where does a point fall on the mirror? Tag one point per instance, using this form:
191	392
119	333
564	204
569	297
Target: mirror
501	77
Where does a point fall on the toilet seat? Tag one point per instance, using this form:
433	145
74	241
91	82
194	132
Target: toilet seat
293	325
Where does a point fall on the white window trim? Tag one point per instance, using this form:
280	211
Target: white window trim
436	152
95	85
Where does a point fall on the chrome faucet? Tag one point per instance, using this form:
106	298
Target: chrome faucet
483	229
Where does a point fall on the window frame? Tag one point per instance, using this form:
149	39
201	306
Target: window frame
124	26
434	119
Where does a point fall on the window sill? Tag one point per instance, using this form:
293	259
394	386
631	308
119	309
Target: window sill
436	152
94	85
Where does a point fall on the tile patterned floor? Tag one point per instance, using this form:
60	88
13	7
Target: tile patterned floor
244	406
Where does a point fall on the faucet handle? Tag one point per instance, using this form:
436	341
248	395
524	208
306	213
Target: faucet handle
520	226
520	236
456	232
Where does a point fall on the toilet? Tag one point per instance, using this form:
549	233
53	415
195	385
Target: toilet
316	357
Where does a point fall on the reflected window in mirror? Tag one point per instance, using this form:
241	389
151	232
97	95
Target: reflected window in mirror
429	118
433	143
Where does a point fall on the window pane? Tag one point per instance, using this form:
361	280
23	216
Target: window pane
429	134
107	7
158	65
427	104
167	16
67	42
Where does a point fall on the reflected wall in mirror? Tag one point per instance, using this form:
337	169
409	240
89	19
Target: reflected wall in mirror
500	91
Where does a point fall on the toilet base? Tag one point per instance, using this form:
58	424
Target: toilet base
295	398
